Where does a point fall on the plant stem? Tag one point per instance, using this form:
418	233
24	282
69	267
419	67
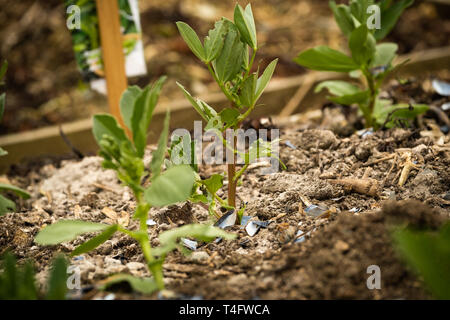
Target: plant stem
231	173
250	65
373	95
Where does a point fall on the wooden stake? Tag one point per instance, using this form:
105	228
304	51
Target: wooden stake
113	57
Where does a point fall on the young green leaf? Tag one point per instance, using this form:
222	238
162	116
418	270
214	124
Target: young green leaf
66	230
359	10
248	90
362	45
390	13
245	22
172	186
201	232
324	58
105	124
96	241
384	54
192	40
2	104
229	116
159	154
20	192
194	102
263	81
401	111
6	205
215	40
229	62
142	285
429	255
127	102
57	282
337	87
214	183
3	69
142	114
343	17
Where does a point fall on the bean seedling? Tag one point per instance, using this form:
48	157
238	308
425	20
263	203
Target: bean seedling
125	156
226	53
369	60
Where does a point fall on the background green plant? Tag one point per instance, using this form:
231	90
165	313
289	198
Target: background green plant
369	60
428	253
229	51
168	187
19	283
7	205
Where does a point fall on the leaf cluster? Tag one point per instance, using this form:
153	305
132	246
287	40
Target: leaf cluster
368	59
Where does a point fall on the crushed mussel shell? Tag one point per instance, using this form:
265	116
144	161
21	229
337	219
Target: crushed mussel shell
446	106
355	210
151	222
252	228
365	132
441	87
228	219
245	220
190	244
290	145
301	236
315	210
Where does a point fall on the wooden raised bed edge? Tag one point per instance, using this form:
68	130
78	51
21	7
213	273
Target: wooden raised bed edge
47	141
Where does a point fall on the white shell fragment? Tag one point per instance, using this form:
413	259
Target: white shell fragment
190	244
228	219
441	87
151	222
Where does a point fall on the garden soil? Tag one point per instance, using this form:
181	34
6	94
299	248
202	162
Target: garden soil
300	254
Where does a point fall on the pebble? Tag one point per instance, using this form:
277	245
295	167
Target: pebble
198	256
341	246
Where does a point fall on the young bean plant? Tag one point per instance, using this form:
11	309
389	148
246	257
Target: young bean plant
167	187
370	61
229	51
7	205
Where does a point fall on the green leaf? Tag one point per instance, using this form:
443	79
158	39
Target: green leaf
214	183
337	87
263	81
245	22
194	102
172	186
345	92
3	152
201	232
20	192
96	241
192	40
3	71
362	45
390	15
384	54
105	124
17	282
229	62
248	90
57	283
142	114
324	58
142	285
2	104
6	205
127	102
402	111
359	10
429	255
66	230
215	40
159	154
343	17
229	116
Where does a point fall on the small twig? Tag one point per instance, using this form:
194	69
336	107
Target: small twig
389	157
66	140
